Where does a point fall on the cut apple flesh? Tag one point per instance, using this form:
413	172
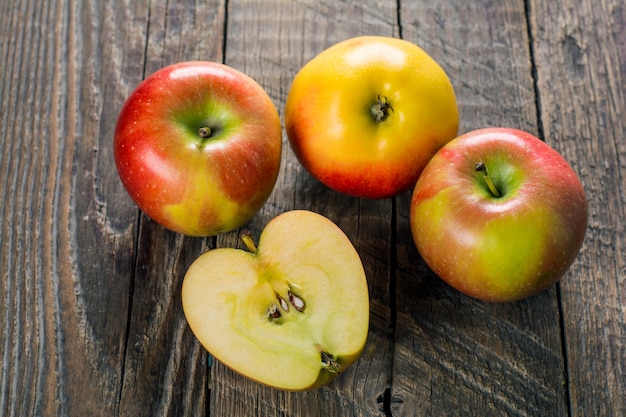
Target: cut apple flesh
291	315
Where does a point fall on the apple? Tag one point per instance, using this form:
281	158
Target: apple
366	115
197	146
291	313
498	214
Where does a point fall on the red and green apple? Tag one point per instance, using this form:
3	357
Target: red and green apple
198	146
498	214
291	312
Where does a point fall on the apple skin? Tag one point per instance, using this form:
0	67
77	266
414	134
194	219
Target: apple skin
228	293
505	248
331	124
187	183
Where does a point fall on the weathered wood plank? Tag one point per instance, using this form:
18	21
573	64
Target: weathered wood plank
166	369
455	355
91	322
270	42
66	245
581	68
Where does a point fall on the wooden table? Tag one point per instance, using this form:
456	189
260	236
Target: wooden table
91	322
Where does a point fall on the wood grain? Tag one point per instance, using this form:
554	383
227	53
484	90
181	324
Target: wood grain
65	287
581	73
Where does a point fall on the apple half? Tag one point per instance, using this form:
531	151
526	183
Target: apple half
292	312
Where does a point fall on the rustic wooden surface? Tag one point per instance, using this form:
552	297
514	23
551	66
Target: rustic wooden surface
90	315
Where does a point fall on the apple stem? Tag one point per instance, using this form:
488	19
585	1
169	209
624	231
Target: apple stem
246	237
381	109
481	167
204	132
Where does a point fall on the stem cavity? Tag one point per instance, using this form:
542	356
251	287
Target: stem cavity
481	167
381	109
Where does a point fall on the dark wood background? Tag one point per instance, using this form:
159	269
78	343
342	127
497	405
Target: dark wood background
91	322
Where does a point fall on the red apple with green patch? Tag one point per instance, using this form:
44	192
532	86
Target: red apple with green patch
498	214
198	146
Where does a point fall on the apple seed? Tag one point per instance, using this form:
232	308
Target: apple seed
296	302
283	303
274	313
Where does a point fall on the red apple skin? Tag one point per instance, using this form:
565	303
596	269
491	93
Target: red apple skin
189	184
505	248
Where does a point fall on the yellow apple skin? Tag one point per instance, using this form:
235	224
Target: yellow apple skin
228	295
332	107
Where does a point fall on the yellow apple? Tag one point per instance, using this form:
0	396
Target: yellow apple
366	115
